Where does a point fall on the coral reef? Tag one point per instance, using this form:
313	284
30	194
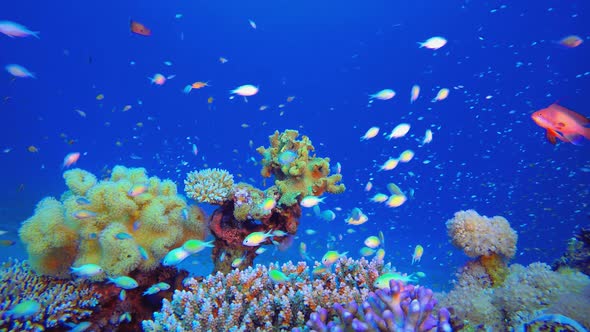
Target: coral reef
248	300
134	304
61	302
530	289
490	240
577	255
490	295
245	209
573	304
127	222
526	292
399	307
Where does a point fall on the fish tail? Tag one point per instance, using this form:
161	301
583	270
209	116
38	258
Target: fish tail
36	34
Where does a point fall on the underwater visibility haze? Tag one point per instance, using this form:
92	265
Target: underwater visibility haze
295	166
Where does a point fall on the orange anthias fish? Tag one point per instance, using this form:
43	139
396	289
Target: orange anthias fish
198	85
139	28
562	123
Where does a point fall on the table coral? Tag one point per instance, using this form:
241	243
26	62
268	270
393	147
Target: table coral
62	301
248	300
127	222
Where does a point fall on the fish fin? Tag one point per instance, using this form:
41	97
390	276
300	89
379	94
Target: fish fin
36	34
551	136
575	139
575	115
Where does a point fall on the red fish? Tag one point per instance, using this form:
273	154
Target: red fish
562	123
140	29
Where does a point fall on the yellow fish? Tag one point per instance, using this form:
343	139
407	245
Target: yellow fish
418	251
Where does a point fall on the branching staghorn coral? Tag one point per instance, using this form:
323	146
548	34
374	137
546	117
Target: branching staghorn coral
210	185
249	300
61	301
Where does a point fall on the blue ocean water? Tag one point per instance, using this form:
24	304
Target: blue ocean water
501	63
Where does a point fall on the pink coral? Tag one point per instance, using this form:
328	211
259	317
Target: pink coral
480	236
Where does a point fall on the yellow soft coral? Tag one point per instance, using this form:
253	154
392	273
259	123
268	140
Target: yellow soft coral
478	235
79	181
119	231
51	242
305	175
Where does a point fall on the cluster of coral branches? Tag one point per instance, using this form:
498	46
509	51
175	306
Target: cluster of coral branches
244	209
249	300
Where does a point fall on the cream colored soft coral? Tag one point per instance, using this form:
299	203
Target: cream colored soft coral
479	235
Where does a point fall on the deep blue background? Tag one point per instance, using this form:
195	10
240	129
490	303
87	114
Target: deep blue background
486	154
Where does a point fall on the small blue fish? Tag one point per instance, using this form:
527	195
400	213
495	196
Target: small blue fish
136	225
83	214
80	327
123	236
143	253
125	317
157	288
122	295
87	270
92	236
82	201
151	291
185	214
163	285
287	157
124	282
24	309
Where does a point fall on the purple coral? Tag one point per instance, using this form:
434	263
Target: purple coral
399	308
